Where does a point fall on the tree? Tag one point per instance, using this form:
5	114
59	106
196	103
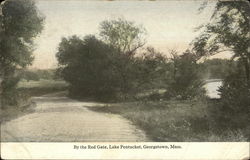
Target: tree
123	35
228	30
185	79
150	68
88	65
127	38
107	69
20	24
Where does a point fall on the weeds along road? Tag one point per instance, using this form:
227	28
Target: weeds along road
60	119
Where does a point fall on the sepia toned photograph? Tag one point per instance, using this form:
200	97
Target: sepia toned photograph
125	71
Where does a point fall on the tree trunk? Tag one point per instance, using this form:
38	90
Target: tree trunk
1	88
1	91
247	70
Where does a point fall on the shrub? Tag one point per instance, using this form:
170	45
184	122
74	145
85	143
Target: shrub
232	112
9	95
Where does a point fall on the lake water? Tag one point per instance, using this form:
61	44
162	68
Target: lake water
212	86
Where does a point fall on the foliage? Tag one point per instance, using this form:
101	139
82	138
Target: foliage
217	68
227	31
88	65
123	35
9	96
20	23
185	81
151	67
37	74
48	74
28	75
103	70
24	91
232	113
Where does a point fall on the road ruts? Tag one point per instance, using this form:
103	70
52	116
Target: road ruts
60	119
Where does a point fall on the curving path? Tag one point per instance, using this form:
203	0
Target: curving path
60	119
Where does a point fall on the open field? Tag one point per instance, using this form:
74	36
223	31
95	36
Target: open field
58	84
41	87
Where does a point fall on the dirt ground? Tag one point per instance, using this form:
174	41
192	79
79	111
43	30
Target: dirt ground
60	119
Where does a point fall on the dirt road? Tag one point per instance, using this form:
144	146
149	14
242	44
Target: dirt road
60	119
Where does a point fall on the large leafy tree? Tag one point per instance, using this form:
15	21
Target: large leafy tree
20	23
88	65
124	35
106	68
228	30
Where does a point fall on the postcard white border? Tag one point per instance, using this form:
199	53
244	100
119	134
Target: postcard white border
188	151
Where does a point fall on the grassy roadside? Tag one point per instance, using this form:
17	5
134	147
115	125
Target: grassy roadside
26	90
12	112
173	120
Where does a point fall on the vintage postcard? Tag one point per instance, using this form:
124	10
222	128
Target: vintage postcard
125	79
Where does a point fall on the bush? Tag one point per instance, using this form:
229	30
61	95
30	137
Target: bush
9	95
232	112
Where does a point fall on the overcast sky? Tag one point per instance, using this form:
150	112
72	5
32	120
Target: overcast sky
169	24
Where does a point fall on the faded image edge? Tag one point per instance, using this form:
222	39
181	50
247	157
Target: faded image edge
124	71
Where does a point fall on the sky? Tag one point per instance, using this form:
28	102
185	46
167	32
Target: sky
170	24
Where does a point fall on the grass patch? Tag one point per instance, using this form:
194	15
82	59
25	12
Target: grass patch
12	112
172	120
23	84
38	88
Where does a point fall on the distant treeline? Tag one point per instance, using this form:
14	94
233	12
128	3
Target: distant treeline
37	74
217	68
209	69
